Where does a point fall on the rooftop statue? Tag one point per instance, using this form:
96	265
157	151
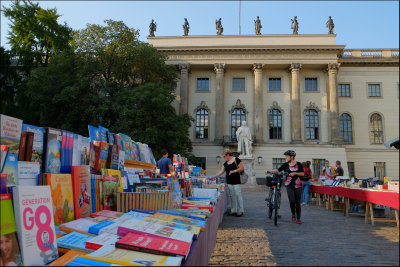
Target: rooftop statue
152	28
258	26
218	24
186	27
295	25
330	25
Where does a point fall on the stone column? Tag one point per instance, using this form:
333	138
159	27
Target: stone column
219	69
333	103
295	112
258	102
184	88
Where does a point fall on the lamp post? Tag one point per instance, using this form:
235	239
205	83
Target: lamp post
259	159
218	159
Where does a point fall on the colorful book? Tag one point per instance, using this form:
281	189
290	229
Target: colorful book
62	196
52	154
8	233
3	183
75	241
10	133
113	255
94	133
67	145
105	239
38	141
193	214
85	150
179	219
35	224
95	229
3	156
103	133
107	213
114	173
82	191
22	146
194	229
94	158
93	192
154	245
11	169
124	180
188	206
80	225
109	195
103	156
29	146
152	229
68	257
28	173
76	150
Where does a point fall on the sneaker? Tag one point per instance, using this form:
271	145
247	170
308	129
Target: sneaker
302	203
293	218
299	222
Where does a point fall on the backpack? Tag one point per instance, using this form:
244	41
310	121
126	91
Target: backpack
307	175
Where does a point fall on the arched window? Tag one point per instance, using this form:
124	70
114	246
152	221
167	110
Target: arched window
202	124
238	116
312	124
376	129
346	128
275	124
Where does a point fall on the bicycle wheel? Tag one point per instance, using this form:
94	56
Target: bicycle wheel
276	207
271	209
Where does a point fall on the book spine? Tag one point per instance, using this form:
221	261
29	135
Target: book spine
29	146
22	146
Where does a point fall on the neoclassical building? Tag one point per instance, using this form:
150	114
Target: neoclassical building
300	92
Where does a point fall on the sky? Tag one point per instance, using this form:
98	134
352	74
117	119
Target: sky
358	24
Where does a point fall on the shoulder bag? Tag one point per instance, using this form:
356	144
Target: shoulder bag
243	176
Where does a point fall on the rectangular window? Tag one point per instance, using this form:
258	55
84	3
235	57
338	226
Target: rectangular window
317	165
311	84
344	90
203	84
374	90
200	162
277	162
238	84
350	166
380	170
275	84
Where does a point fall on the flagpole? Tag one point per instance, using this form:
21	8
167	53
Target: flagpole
240	7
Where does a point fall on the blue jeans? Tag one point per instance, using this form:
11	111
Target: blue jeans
304	195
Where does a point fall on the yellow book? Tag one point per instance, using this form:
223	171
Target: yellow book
191	228
179	219
114	173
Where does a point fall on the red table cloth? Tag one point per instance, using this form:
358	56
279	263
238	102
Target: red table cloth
388	199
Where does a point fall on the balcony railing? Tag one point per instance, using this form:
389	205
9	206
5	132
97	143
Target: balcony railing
370	53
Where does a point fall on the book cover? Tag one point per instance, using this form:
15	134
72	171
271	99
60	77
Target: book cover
3	183
109	195
93	192
10	133
67	145
3	156
124	180
114	173
125	144
152	229
107	213
35	224
154	245
118	141
52	155
62	196
28	173
68	257
102	240
121	160
114	255
194	229
85	150
75	241
103	133
188	206
29	146
22	146
82	191
179	219
94	158
10	250
103	156
95	229
139	148
94	133
11	169
38	141
110	138
80	226
114	157
76	150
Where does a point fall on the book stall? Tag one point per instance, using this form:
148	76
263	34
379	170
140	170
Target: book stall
69	200
365	196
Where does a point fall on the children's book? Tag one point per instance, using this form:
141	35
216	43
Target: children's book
10	133
109	195
8	232
80	225
94	158
192	214
28	173
67	145
85	150
194	229
179	219
102	240
114	173
124	180
94	133
126	140
110	254
11	169
38	141
154	245
68	257
103	156
35	224
75	241
62	196
82	191
52	155
121	160
103	133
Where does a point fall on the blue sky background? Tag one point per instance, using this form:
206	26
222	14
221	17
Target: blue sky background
358	24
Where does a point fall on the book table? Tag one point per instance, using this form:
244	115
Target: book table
382	197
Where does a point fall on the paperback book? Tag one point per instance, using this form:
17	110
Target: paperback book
38	141
67	145
28	173
109	195
105	239
52	155
68	257
11	169
82	191
10	133
80	225
75	241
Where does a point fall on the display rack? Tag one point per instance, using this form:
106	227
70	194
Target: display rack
139	164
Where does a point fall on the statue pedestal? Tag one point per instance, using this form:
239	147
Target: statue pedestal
248	163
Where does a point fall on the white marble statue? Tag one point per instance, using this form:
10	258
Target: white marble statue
243	136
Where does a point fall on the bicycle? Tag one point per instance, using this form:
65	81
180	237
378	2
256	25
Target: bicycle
274	181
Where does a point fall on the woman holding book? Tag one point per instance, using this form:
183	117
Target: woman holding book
232	168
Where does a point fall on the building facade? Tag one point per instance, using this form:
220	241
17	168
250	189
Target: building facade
300	92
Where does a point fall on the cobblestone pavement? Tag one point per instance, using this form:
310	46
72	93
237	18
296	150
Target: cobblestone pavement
324	238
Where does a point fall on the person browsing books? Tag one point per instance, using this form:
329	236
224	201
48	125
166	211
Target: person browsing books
293	182
165	163
328	171
232	168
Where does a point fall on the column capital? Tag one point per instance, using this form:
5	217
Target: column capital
295	67
333	67
184	66
219	68
257	67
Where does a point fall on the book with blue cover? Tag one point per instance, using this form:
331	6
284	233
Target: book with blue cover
76	150
94	133
103	133
67	144
11	169
75	240
38	141
52	151
95	229
85	150
28	173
